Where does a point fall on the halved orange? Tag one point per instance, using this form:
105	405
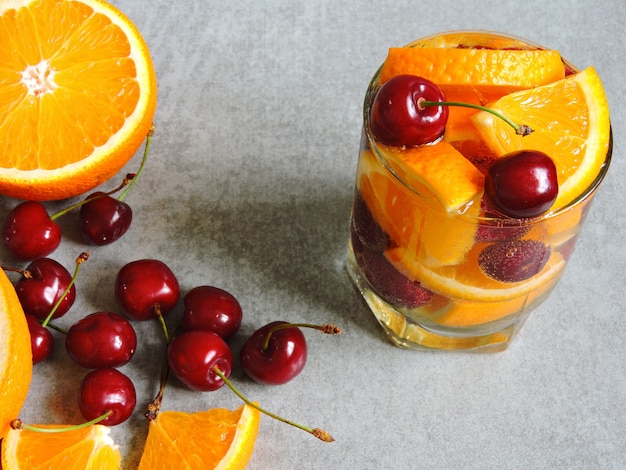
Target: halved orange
214	439
77	96
16	362
570	119
88	448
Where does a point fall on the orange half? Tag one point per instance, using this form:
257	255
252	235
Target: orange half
77	96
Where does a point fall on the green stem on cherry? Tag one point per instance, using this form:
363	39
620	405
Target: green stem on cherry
326	328
19	424
520	129
128	182
141	166
317	432
155	405
79	261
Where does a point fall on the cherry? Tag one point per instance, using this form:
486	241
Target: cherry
364	225
47	284
101	339
393	286
29	232
104	219
193	355
274	356
146	288
211	308
397	118
105	390
514	260
522	184
41	340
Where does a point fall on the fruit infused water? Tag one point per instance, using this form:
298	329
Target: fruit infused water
465	214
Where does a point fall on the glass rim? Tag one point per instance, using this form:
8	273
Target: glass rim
373	87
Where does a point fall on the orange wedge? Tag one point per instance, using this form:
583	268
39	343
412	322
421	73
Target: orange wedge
89	448
16	362
77	96
570	119
212	439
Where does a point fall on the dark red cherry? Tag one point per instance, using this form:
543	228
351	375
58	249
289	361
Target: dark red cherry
393	286
104	219
143	286
40	293
275	360
397	118
514	260
101	339
29	233
522	184
107	389
41	340
192	356
211	308
364	225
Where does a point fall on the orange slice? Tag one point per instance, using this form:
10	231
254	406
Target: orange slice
420	204
438	170
77	96
570	119
212	439
468	282
88	448
16	362
484	68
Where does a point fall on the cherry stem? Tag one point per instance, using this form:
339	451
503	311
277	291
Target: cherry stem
19	424
155	405
326	328
130	177
141	166
317	432
79	261
522	129
24	272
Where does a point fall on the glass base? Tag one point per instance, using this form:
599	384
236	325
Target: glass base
405	332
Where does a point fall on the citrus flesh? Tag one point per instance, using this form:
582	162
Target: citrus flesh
213	439
89	448
570	122
16	362
76	100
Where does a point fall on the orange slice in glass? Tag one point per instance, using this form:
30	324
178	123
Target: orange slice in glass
89	448
570	119
217	438
468	282
77	96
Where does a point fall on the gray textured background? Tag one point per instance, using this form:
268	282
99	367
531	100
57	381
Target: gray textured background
248	188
